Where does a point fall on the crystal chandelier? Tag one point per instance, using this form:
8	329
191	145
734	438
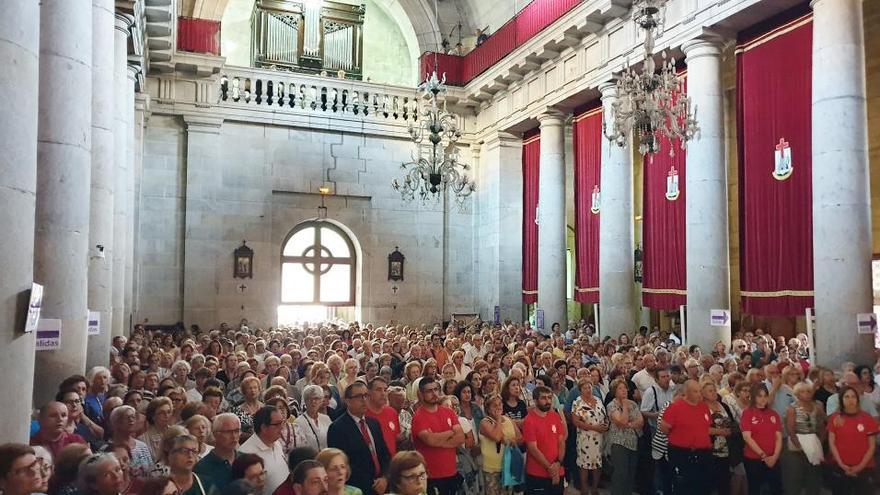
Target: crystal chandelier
434	167
651	103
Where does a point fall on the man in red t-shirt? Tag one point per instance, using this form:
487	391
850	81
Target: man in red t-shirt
686	423
436	434
53	421
544	434
378	409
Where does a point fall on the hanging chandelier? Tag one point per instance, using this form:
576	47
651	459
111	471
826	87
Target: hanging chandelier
435	166
651	103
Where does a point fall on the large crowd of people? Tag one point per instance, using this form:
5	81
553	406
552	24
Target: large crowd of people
463	410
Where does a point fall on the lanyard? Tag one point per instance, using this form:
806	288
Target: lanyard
309	421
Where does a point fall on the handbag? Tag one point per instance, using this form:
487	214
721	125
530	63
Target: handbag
513	467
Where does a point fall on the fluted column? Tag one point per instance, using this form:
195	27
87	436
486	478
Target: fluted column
841	195
499	255
707	244
61	240
19	48
617	307
141	116
101	209
551	221
121	130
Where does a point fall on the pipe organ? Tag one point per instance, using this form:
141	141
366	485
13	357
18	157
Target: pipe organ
310	36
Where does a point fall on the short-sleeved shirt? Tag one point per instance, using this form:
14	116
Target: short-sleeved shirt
689	425
214	471
520	411
390	423
440	461
55	446
545	432
851	439
763	424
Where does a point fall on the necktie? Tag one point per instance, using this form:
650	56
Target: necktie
370	446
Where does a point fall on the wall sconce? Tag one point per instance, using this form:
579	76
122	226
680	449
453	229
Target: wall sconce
322	210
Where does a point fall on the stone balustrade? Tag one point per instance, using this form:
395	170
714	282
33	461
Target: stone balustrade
298	93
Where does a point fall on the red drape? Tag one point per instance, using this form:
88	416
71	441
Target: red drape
538	15
664	268
587	171
531	158
499	44
774	87
198	35
451	65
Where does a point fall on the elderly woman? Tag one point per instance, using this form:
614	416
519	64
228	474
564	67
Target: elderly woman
626	426
180	374
100	474
131	486
123	424
250	468
250	389
77	422
159	413
350	369
288	437
200	428
20	472
183	453
804	418
310	427
99	381
162	467
335	462
408	474
496	431
591	420
178	402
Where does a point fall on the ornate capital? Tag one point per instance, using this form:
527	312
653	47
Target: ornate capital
551	118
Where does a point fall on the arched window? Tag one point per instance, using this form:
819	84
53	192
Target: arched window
318	266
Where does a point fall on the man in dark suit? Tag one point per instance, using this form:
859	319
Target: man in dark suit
360	438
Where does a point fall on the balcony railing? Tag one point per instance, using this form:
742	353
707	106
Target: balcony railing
298	93
530	21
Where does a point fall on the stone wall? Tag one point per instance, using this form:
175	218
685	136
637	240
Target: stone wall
206	192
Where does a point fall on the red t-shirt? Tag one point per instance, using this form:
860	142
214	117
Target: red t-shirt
54	447
390	423
544	431
851	439
440	461
690	425
763	424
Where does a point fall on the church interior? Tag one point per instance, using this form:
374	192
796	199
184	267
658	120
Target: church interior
702	167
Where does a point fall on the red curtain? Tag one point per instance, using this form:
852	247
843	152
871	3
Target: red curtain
587	171
451	65
499	44
774	85
198	35
531	158
538	15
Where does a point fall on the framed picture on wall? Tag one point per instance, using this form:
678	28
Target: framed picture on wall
395	265
243	257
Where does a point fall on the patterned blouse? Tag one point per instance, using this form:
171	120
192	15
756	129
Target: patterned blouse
626	437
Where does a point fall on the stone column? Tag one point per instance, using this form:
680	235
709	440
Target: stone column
121	129
19	48
141	116
551	222
499	228
64	160
841	195
131	75
201	252
707	247
101	208
617	305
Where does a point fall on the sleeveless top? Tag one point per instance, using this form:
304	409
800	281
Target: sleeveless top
492	451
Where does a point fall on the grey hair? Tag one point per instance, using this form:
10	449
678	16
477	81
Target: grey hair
311	391
181	364
218	419
89	470
94	371
119	411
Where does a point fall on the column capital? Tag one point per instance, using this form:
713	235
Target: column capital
124	23
502	140
608	90
202	124
551	117
133	71
706	45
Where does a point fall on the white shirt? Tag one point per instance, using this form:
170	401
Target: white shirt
274	461
643	380
193	395
309	433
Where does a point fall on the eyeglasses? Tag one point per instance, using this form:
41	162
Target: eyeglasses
73	402
234	431
32	470
416	477
184	450
359	396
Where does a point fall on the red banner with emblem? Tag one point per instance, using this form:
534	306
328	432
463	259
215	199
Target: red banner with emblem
531	167
664	267
774	84
587	172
